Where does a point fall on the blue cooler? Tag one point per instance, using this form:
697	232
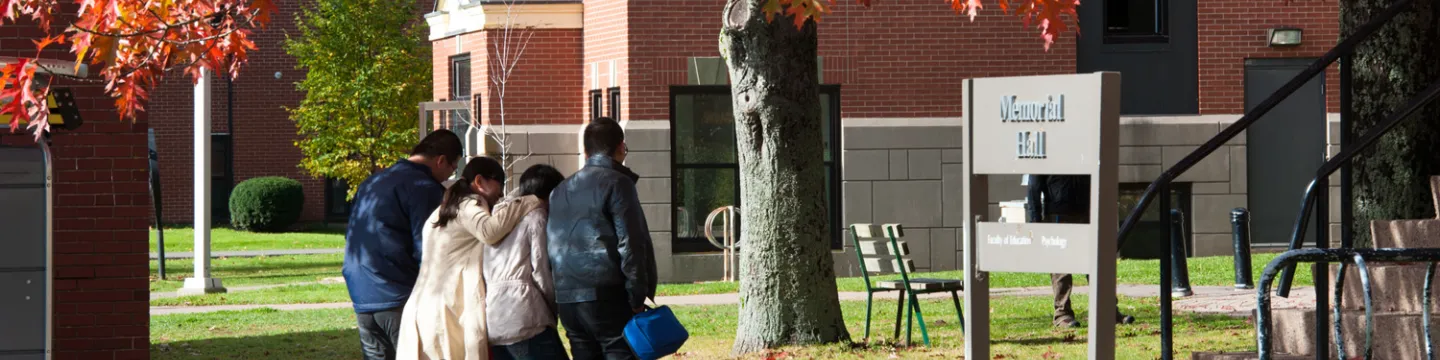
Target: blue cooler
655	333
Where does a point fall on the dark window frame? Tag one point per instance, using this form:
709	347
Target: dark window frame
832	166
331	194
1161	36
222	176
613	101
597	104
455	80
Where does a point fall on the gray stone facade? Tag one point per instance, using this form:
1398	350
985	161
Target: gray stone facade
909	171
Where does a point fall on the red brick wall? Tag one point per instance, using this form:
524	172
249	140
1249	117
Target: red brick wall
442	50
1232	31
101	293
263	138
895	59
551	61
606	35
908	59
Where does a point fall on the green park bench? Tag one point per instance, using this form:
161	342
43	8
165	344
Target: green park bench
886	254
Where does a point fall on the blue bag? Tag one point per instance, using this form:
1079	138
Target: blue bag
655	333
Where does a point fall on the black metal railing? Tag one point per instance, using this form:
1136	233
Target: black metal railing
1162	184
1360	258
1321	180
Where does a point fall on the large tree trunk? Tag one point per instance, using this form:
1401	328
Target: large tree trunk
1391	67
787	279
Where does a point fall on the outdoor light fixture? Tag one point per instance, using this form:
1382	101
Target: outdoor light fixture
1284	36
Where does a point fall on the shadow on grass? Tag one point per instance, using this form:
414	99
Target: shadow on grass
331	344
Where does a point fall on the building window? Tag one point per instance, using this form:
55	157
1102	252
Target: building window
614	94
1137	21
222	179
597	104
460	77
1150	233
705	168
337	204
459	120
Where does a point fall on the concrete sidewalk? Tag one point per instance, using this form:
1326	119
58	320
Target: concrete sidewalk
1207	299
248	253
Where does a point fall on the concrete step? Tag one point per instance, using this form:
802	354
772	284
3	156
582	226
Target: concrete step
1395	289
1405	233
1414	233
1243	356
1397	335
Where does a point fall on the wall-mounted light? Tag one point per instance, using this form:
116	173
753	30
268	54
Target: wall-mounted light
1284	36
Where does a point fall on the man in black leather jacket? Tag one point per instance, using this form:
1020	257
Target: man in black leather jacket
1062	199
600	249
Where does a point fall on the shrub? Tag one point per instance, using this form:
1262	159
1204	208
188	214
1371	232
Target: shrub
266	204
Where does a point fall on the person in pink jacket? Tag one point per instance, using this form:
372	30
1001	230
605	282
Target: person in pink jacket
520	293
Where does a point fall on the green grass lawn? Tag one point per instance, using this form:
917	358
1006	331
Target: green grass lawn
222	239
280	270
265	270
1211	271
1020	329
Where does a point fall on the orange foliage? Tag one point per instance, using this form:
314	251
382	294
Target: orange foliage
133	42
1045	14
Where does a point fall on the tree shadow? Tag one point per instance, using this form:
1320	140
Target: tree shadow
331	344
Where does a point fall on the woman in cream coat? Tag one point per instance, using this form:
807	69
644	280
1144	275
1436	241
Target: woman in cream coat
444	319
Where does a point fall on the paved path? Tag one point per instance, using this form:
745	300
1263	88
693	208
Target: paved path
235	289
1207	299
249	253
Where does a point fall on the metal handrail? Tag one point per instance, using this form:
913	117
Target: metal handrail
1345	47
1360	257
1333	164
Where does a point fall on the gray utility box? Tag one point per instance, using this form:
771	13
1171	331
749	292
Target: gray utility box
25	264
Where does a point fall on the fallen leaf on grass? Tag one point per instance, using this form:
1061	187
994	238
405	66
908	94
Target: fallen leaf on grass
777	355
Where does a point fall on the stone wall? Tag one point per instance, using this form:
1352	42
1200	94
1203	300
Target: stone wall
909	171
906	171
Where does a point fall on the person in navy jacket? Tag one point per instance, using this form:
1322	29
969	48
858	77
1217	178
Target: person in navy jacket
382	240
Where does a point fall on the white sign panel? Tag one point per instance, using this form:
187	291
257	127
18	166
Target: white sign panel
1038	124
1042	247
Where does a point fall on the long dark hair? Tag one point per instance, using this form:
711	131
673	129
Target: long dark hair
479	166
539	180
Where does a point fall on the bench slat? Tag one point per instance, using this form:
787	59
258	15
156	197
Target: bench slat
866	231
882	248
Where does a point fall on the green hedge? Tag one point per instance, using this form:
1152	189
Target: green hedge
266	204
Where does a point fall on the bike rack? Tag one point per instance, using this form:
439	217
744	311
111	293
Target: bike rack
727	241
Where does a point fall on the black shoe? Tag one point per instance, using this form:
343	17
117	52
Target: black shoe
1067	321
1127	319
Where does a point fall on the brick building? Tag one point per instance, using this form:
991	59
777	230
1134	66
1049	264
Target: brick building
891	78
98	265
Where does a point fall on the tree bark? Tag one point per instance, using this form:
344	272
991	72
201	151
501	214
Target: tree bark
787	277
1395	64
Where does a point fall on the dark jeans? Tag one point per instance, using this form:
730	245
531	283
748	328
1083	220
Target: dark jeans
1062	284
596	329
379	332
543	346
